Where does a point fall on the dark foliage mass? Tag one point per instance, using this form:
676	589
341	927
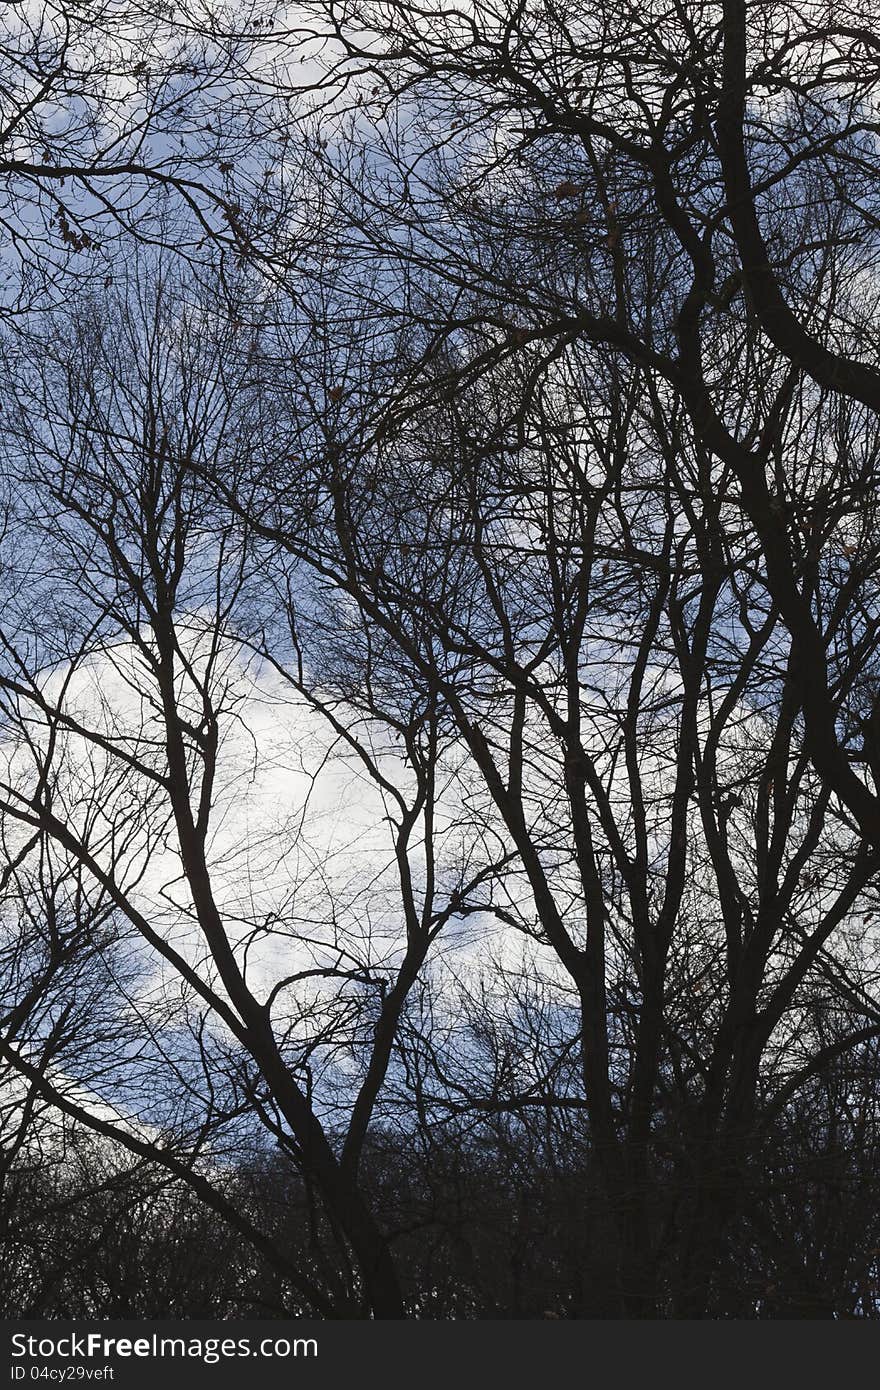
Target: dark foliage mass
440	660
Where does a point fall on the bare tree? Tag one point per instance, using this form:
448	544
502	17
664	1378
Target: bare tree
134	638
561	570
539	478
